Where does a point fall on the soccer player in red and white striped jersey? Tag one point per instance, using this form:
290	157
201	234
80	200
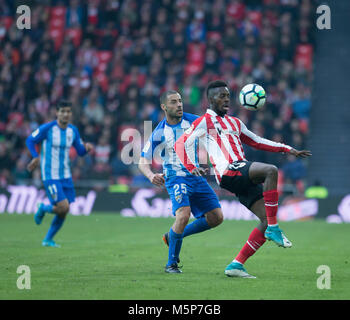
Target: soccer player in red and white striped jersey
254	183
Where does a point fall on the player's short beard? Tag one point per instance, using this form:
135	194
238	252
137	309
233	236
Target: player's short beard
219	112
174	115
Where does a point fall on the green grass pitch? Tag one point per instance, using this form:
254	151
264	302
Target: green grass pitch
106	256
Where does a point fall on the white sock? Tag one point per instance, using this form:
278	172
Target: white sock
273	225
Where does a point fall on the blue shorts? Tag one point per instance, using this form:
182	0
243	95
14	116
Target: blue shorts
191	191
58	190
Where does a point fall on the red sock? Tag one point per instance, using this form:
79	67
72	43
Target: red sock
271	206
255	241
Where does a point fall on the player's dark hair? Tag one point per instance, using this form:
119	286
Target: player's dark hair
165	94
63	104
215	84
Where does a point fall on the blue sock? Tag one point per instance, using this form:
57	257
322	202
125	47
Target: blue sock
196	226
175	242
56	225
48	208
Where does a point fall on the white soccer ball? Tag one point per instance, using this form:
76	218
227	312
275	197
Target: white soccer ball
252	96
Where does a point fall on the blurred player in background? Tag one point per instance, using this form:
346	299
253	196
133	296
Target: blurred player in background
188	193
56	138
254	183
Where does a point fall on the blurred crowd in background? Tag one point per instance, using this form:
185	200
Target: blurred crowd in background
114	58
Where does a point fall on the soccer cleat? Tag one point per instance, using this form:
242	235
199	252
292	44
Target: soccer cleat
237	270
166	241
277	236
173	268
50	243
39	215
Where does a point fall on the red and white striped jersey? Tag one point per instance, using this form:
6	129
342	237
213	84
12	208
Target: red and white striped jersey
222	137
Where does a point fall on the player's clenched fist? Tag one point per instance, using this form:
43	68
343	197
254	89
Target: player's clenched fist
158	179
33	164
89	147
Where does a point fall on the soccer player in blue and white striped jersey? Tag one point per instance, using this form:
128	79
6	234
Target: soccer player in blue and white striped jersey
56	138
188	192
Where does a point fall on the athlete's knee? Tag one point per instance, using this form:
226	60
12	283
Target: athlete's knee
62	209
220	217
183	215
272	171
62	213
215	217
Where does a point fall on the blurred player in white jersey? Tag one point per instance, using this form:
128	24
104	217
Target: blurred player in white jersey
56	138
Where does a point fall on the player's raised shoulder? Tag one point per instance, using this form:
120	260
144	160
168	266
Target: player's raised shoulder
197	125
161	124
43	129
158	133
160	127
190	117
48	125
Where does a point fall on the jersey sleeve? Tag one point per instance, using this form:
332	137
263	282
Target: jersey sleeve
36	137
154	140
185	146
78	143
260	143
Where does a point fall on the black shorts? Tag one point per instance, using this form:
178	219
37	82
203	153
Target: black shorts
236	180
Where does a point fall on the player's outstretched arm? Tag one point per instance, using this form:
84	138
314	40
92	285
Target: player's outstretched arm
251	139
301	153
155	178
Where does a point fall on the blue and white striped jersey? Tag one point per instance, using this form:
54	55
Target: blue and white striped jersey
162	141
56	142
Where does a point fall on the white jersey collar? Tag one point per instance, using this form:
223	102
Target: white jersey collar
212	112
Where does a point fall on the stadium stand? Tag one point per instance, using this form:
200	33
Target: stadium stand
114	58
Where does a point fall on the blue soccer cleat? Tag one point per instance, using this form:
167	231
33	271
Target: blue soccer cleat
235	269
39	215
50	243
277	236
